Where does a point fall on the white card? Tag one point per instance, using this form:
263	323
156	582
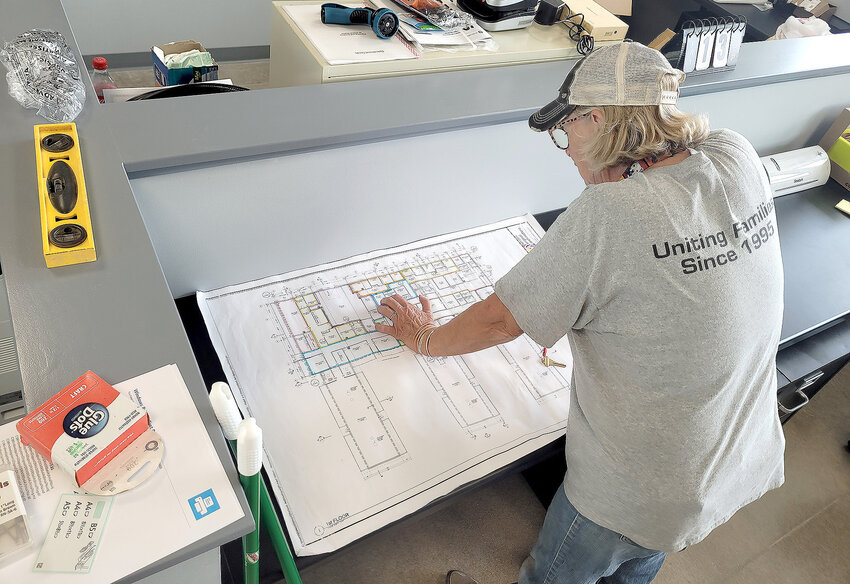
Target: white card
735	43
721	45
690	44
73	537
706	49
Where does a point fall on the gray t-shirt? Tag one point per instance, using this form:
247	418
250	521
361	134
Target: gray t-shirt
669	288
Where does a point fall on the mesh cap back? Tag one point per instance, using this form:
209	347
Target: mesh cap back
625	74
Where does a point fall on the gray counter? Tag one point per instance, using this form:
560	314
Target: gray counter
164	134
116	316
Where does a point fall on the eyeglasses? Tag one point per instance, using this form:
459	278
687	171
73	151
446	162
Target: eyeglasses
559	134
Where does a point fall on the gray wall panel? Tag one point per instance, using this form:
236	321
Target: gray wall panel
221	224
225	224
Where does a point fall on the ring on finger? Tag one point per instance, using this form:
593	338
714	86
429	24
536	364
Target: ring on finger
392	316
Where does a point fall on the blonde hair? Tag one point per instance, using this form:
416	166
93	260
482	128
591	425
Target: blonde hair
634	132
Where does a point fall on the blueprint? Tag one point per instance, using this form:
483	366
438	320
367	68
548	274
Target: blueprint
358	430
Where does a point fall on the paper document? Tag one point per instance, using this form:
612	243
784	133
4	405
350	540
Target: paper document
342	44
359	431
73	537
430	39
145	524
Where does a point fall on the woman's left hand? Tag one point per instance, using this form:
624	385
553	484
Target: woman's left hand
406	318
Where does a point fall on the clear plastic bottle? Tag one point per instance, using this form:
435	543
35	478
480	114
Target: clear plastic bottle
100	77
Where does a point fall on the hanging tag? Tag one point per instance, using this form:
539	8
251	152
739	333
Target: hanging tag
735	41
706	48
721	45
690	42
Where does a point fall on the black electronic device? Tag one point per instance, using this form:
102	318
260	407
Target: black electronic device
497	15
549	12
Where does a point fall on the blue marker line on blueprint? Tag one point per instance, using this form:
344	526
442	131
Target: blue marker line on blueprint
348	359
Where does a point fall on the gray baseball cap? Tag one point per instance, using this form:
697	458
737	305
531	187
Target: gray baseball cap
626	73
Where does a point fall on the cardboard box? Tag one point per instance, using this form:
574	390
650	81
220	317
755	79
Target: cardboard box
836	142
618	7
83	427
600	23
165	76
808	8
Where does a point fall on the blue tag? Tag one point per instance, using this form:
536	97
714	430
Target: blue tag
204	504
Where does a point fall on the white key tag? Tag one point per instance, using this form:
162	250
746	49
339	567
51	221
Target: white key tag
735	42
721	45
690	43
706	47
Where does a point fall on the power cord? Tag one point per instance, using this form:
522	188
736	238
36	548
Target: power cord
578	34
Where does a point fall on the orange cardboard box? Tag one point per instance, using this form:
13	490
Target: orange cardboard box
84	426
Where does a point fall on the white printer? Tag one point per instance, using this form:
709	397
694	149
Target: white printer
796	170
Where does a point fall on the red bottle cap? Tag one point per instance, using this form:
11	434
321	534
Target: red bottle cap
99	63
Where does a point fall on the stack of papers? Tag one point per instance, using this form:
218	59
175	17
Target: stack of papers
343	44
426	36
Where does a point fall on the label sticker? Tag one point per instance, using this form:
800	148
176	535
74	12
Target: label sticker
73	537
203	504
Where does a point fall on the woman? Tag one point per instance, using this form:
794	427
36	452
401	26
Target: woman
665	275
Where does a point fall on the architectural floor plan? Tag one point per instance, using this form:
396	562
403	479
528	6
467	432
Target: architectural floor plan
359	430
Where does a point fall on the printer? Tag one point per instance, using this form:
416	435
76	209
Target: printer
498	15
796	170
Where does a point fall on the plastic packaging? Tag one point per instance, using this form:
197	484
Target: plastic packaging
43	74
100	77
15	536
437	13
802	27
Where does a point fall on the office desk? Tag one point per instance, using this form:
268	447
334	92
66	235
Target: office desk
763	24
815	241
295	61
815	339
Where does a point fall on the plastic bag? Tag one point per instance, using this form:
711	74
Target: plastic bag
438	13
802	27
43	74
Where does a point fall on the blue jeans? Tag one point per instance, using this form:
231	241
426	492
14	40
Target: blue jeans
571	549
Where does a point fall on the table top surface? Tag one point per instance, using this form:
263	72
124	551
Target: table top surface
815	240
533	43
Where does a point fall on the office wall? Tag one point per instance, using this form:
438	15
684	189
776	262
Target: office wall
130	26
230	223
843	8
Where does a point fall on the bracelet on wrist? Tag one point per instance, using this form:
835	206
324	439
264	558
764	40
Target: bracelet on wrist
419	336
428	335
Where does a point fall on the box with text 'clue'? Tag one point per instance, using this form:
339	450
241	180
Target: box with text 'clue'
836	142
83	427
